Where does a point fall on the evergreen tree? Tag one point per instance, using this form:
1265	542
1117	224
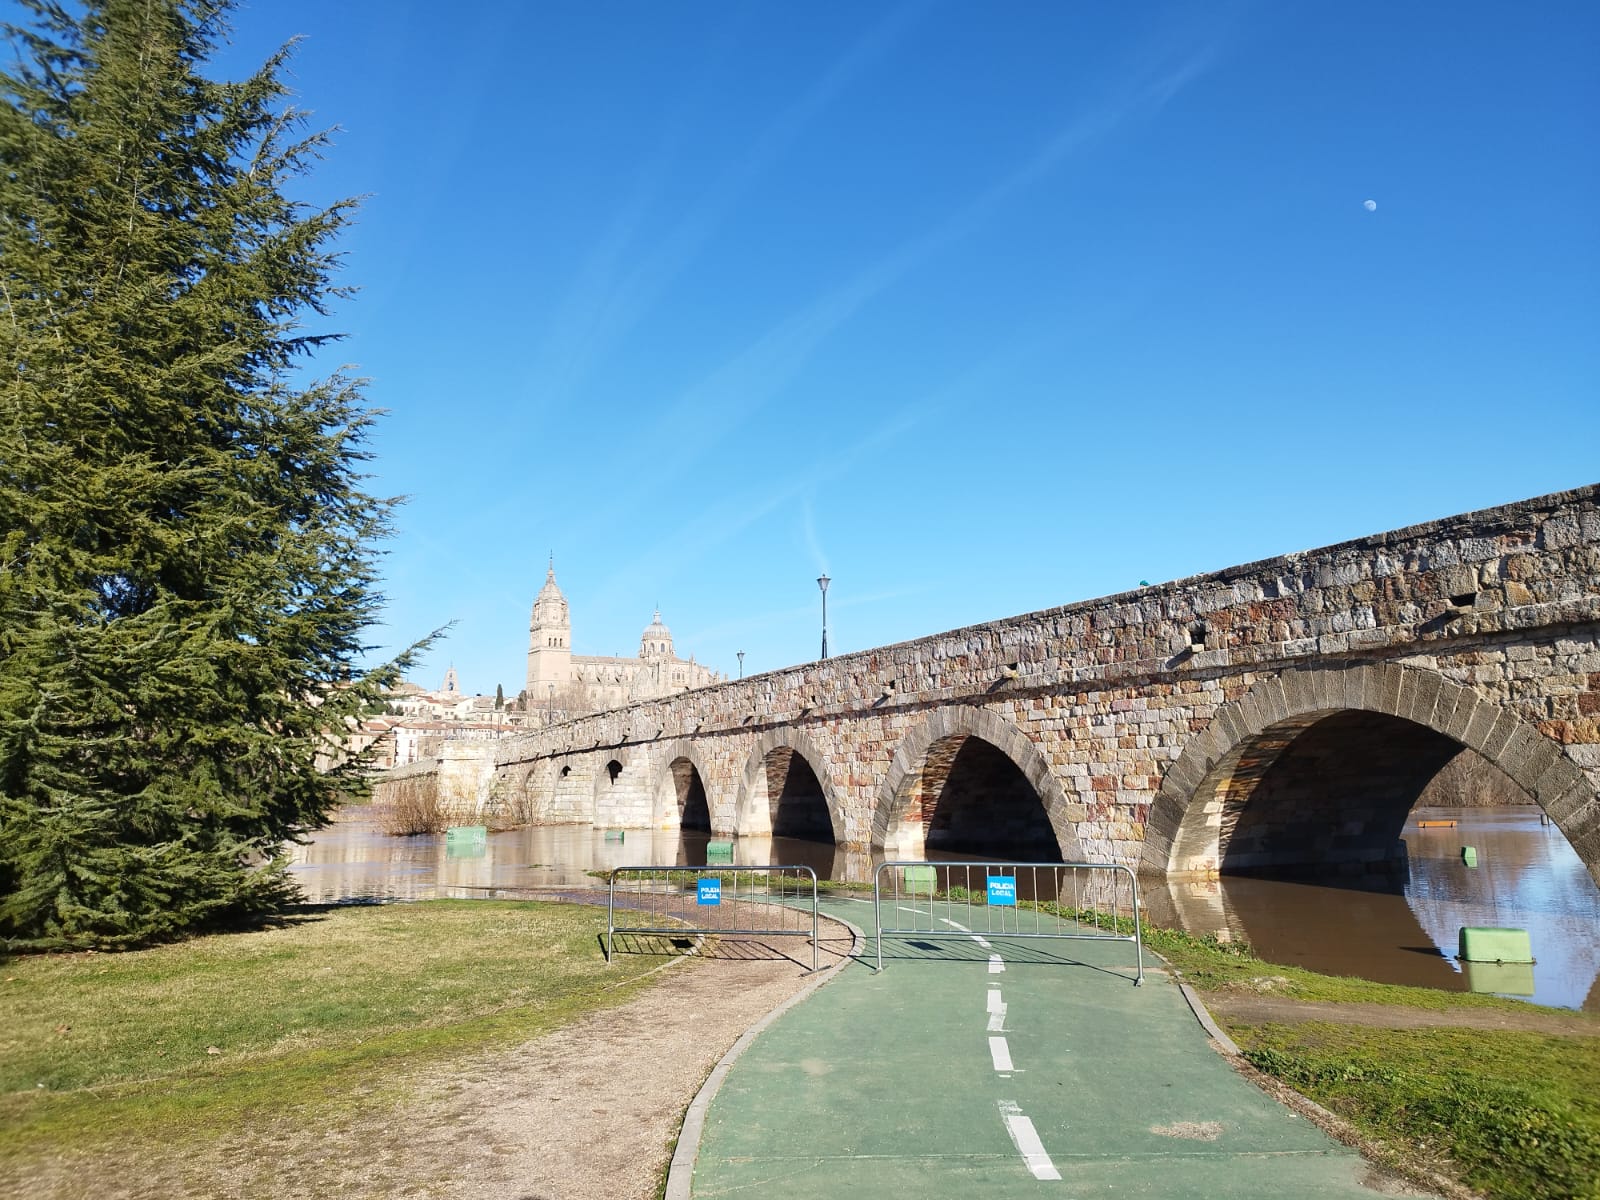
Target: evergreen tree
186	552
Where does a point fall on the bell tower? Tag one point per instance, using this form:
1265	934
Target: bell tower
549	640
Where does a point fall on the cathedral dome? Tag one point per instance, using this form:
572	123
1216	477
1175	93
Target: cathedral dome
656	640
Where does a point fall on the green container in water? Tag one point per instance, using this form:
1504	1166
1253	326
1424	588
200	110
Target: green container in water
920	879
1469	855
1486	945
722	851
615	835
466	840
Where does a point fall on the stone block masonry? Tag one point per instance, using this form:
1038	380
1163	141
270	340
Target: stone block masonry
1186	727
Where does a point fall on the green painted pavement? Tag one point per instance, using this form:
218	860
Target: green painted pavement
887	1085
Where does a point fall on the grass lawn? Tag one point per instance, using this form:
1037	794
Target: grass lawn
327	1011
1518	1114
1512	1113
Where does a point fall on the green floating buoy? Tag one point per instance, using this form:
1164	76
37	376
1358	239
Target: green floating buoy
719	850
1469	855
615	835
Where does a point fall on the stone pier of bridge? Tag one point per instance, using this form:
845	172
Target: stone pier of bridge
1279	715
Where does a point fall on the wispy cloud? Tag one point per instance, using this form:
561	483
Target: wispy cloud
808	523
765	368
783	618
677	550
609	300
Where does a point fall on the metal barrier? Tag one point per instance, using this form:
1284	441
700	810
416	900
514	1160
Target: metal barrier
1081	901
715	899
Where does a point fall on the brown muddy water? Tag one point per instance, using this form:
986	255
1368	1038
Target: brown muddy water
1400	930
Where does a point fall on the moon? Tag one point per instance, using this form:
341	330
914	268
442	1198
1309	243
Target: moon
1370	205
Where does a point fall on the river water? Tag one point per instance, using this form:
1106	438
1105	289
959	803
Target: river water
1401	931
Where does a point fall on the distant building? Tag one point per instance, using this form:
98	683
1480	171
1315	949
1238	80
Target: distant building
562	683
417	720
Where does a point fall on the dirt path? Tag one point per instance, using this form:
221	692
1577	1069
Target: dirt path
1260	1010
591	1112
587	1112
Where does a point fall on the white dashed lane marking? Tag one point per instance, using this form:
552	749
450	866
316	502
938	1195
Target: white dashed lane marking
996	964
997	1011
1001	1054
1026	1139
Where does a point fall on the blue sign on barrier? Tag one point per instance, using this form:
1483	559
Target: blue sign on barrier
709	892
1003	889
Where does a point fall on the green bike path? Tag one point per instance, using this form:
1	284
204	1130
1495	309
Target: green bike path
1011	1068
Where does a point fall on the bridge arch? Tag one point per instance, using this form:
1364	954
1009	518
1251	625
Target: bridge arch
518	798
786	791
991	744
682	789
1321	765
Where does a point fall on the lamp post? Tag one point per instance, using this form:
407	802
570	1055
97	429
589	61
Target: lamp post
822	582
549	706
740	654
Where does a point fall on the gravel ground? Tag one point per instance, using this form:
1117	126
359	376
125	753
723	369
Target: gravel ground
587	1112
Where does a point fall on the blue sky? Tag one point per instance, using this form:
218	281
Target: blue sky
978	308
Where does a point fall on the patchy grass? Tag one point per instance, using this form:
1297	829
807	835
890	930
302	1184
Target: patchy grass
1517	1114
329	1010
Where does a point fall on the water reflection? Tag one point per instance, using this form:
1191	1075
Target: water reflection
1527	877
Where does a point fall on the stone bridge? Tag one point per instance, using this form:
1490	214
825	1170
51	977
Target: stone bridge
1279	715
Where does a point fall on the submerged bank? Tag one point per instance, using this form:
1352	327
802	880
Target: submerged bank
1527	877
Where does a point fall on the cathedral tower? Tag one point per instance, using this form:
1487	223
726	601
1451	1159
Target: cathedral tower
549	641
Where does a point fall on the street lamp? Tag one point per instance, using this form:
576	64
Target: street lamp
822	582
740	653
